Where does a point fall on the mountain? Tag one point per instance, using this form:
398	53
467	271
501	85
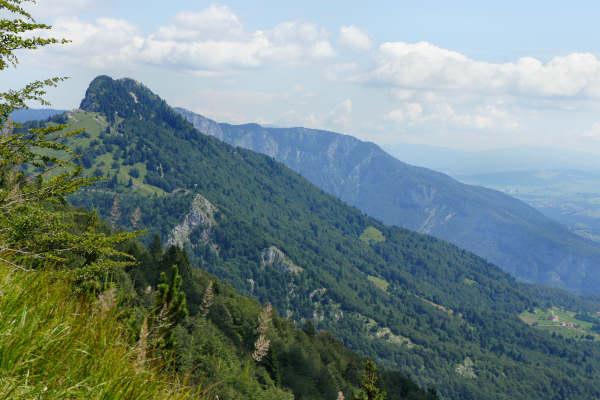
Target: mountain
512	159
504	230
32	114
409	301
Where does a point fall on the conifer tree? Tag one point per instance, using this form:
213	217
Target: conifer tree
368	389
170	308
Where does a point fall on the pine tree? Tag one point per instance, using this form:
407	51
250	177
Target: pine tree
368	389
170	309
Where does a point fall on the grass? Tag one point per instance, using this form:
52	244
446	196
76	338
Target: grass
372	235
94	124
380	283
541	319
56	346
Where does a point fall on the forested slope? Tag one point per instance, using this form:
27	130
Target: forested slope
500	228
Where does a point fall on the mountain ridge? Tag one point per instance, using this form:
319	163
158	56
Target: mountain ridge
492	224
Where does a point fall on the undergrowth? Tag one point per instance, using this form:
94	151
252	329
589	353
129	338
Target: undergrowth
54	345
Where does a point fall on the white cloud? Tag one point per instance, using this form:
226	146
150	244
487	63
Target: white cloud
354	38
103	44
484	117
408	112
212	41
213	23
424	66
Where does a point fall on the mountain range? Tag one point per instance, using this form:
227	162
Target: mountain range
411	302
500	228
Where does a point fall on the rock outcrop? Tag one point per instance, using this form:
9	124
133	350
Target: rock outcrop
201	215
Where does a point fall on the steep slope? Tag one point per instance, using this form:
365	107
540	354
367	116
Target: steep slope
504	230
216	344
410	301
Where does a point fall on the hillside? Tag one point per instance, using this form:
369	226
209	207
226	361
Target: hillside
216	345
502	229
409	301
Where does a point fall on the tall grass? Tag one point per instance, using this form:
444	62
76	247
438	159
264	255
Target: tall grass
56	346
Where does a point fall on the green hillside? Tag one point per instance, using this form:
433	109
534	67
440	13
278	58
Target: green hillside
446	317
216	347
504	230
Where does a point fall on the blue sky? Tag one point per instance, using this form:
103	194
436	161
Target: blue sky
462	74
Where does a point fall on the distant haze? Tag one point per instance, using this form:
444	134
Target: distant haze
457	162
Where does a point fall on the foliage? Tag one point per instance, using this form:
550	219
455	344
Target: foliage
170	308
504	230
37	172
215	346
368	389
56	345
57	342
372	235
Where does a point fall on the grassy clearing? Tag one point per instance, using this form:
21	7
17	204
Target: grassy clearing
380	283
561	321
56	346
372	235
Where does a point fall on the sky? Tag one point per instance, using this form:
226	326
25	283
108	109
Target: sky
462	74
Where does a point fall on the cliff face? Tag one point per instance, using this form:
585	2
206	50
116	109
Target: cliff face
201	215
504	230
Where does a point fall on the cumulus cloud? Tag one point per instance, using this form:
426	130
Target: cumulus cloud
102	44
354	38
424	66
483	117
408	112
210	41
213	23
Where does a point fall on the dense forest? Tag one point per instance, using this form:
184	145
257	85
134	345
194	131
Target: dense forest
409	301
